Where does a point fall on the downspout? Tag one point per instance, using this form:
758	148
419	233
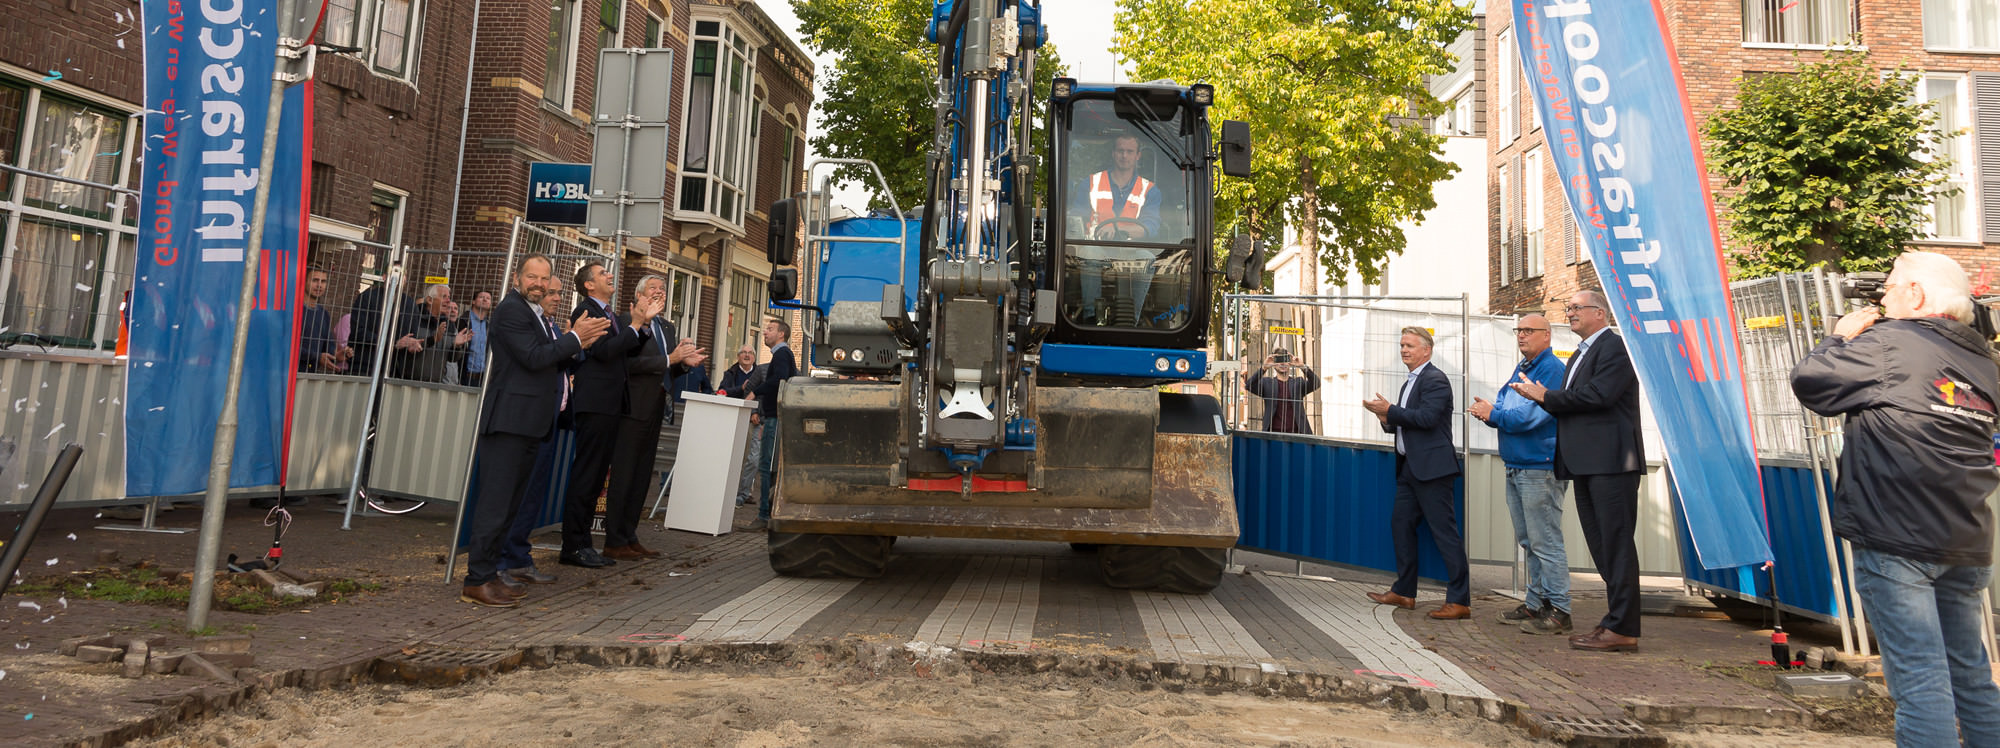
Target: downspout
465	119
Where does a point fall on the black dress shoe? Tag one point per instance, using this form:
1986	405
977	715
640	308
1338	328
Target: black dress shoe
514	587
531	575
587	558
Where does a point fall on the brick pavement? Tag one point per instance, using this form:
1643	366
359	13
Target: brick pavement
993	605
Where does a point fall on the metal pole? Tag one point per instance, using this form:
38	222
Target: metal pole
1793	332
224	450
478	421
385	320
45	497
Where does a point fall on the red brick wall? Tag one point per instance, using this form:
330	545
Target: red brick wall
1707	36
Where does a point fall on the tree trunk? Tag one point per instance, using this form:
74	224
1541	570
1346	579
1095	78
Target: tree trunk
1309	215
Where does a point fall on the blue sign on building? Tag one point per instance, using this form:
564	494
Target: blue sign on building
558	193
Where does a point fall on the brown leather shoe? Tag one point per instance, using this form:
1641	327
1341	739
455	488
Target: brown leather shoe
1451	612
491	594
1391	598
1606	640
625	552
645	552
1581	637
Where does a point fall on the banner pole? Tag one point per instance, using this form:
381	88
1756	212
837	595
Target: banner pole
213	504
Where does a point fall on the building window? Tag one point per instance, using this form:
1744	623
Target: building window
69	246
1812	23
684	302
1509	61
656	31
385	217
746	304
1962	24
385	33
561	53
1506	226
721	119
1951	137
1532	223
610	23
785	165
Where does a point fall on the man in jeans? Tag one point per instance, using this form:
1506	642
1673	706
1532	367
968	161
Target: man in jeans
1534	494
1917	386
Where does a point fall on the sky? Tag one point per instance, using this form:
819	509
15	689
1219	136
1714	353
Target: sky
1080	29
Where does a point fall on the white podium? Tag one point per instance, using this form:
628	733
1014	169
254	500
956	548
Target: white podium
709	463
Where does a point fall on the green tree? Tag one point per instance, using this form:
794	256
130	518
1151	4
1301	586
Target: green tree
876	102
1331	90
1831	165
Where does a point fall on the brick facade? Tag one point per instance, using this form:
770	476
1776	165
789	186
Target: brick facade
1708	39
375	132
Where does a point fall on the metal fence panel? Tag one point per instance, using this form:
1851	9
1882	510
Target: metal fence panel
326	419
50	401
1316	499
422	437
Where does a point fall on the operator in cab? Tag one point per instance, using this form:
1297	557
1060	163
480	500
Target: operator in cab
1116	205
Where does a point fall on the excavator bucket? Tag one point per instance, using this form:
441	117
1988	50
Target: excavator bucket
1104	471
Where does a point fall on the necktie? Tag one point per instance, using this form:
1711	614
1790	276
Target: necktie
1403	401
550	325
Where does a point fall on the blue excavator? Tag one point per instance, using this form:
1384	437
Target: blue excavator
1019	356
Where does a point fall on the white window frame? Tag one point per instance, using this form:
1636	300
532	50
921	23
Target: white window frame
120	237
1506	225
367	34
617	34
1957	21
728	148
1533	214
565	99
659	40
686	310
1836	38
1964	170
395	237
1509	61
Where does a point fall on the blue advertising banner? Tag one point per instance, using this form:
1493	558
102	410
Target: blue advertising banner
558	193
1619	131
208	86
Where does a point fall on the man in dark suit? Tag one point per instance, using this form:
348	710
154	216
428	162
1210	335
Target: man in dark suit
1426	464
664	358
600	399
1600	450
523	393
781	368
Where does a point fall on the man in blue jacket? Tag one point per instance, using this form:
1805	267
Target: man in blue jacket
781	368
1534	493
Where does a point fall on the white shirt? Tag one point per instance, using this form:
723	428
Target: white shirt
1577	358
1403	401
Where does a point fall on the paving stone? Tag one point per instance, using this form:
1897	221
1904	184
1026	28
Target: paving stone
222	643
195	664
166	662
136	655
93	653
1823	686
69	646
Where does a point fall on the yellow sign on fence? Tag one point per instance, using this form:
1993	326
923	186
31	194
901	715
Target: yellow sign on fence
433	280
1276	330
1759	323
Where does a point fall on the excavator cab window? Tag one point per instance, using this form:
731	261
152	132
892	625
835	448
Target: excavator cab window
1128	226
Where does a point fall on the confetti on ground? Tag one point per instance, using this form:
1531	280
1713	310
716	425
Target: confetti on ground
64	601
52	432
17	404
22	645
72	536
31	605
51	562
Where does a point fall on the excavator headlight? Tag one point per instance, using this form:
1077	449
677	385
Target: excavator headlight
1062	88
1202	94
839	354
1181	365
1160	364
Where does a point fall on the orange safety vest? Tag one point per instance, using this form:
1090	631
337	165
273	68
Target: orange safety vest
1100	199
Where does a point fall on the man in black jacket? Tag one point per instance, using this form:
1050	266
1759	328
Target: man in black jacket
1426	463
1601	451
1916	467
519	411
663	358
600	399
781	367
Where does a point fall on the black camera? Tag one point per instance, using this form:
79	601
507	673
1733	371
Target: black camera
1871	287
1282	358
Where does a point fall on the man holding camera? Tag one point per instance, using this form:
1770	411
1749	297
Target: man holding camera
1917	386
1284	392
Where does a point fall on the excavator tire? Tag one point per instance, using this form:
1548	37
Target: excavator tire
1155	568
796	554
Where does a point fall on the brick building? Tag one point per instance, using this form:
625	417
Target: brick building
1535	257
388	166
